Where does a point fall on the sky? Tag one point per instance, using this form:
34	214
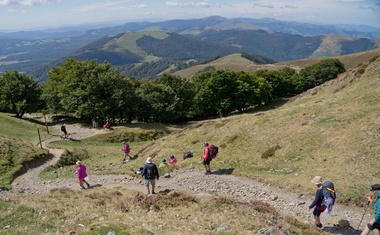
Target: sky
18	15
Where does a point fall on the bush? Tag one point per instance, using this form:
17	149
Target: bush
270	152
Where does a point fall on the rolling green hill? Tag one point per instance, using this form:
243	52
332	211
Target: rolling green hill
236	62
331	130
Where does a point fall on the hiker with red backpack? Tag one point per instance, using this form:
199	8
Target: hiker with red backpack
210	153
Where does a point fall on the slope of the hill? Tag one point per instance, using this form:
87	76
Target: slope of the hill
236	62
331	130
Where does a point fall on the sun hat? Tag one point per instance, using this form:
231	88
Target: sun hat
149	160
78	163
317	180
171	156
205	144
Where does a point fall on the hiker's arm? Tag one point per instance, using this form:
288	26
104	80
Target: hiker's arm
316	199
157	174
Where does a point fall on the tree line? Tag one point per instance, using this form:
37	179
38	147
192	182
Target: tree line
85	89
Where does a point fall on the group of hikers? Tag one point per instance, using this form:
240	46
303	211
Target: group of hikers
323	201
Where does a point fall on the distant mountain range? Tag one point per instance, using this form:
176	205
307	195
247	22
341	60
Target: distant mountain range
145	49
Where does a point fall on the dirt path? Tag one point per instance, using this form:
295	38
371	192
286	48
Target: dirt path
193	180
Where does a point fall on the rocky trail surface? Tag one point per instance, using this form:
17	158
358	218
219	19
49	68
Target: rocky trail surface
342	220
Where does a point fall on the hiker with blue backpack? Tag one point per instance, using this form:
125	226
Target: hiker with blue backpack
324	199
375	222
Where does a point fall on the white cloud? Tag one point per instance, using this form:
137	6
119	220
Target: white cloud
290	7
15	11
264	5
25	2
188	4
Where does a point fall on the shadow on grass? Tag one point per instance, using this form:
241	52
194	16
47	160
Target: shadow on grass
223	171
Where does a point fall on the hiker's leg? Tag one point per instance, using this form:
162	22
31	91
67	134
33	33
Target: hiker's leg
80	182
366	231
153	183
147	185
316	214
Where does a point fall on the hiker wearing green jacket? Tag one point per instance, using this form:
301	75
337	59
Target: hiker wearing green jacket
375	222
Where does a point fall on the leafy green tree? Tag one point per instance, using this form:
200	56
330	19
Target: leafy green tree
156	102
320	72
184	95
19	93
280	80
84	88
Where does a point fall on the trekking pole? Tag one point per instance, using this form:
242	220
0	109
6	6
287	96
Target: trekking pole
365	211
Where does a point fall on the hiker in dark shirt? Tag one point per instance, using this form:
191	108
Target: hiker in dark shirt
317	203
150	174
63	129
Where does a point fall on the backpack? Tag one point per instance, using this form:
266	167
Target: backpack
329	195
63	128
213	151
150	171
187	155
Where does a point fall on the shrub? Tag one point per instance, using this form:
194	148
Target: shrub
270	152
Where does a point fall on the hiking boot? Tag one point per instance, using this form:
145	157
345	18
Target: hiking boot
153	192
81	188
148	192
207	173
319	225
123	160
88	185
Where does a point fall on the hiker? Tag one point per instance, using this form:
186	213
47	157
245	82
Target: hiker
317	203
107	125
206	158
150	174
63	129
81	173
375	222
163	164
172	159
126	149
94	124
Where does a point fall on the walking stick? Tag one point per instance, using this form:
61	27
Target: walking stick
365	211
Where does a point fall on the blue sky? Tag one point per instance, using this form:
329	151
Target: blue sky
36	14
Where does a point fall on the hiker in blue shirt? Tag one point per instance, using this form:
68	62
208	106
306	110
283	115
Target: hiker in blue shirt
317	203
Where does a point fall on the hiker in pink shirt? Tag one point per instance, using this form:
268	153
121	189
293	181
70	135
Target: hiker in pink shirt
81	174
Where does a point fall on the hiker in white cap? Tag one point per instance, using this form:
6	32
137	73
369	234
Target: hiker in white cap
150	174
317	203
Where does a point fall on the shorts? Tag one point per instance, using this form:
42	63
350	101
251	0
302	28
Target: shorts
318	212
151	182
207	161
374	226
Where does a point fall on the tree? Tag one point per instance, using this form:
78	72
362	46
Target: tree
321	72
84	88
184	95
156	102
19	94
